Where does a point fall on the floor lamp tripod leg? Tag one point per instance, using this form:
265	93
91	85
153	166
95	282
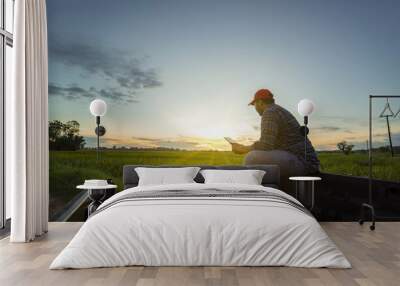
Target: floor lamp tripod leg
372	210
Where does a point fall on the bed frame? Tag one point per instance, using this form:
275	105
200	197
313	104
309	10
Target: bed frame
270	179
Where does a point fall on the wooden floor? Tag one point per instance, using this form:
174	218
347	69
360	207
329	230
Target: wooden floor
375	257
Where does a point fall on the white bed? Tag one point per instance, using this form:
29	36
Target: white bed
189	231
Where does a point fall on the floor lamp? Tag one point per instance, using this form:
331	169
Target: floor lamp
98	108
369	205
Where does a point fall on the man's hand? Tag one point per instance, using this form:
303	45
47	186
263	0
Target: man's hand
240	149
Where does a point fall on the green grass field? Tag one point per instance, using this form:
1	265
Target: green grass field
71	168
385	167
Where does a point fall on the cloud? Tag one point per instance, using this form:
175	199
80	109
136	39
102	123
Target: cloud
330	129
182	142
123	73
75	92
146	139
327	128
115	94
71	92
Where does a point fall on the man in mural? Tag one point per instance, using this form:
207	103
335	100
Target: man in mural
281	142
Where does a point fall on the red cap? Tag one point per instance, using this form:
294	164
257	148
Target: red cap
262	94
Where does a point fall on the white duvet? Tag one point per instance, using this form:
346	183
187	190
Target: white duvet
193	231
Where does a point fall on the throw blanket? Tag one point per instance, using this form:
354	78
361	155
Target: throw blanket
205	193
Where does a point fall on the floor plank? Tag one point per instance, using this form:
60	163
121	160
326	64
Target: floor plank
375	257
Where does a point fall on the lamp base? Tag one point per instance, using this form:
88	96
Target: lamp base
372	210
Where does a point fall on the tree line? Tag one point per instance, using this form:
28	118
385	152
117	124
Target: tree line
65	136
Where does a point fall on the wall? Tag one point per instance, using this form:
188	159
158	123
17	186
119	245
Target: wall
179	75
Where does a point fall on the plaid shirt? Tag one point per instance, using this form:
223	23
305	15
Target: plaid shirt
281	131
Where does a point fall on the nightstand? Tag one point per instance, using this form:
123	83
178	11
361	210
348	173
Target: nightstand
97	194
303	181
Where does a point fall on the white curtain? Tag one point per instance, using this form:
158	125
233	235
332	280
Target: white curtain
28	153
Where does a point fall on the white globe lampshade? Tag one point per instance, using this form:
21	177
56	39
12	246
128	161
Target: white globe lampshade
98	107
305	107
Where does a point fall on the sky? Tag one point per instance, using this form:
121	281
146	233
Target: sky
180	73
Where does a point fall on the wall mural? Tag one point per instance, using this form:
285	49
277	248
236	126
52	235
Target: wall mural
177	77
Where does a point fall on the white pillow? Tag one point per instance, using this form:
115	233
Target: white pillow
166	176
248	177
